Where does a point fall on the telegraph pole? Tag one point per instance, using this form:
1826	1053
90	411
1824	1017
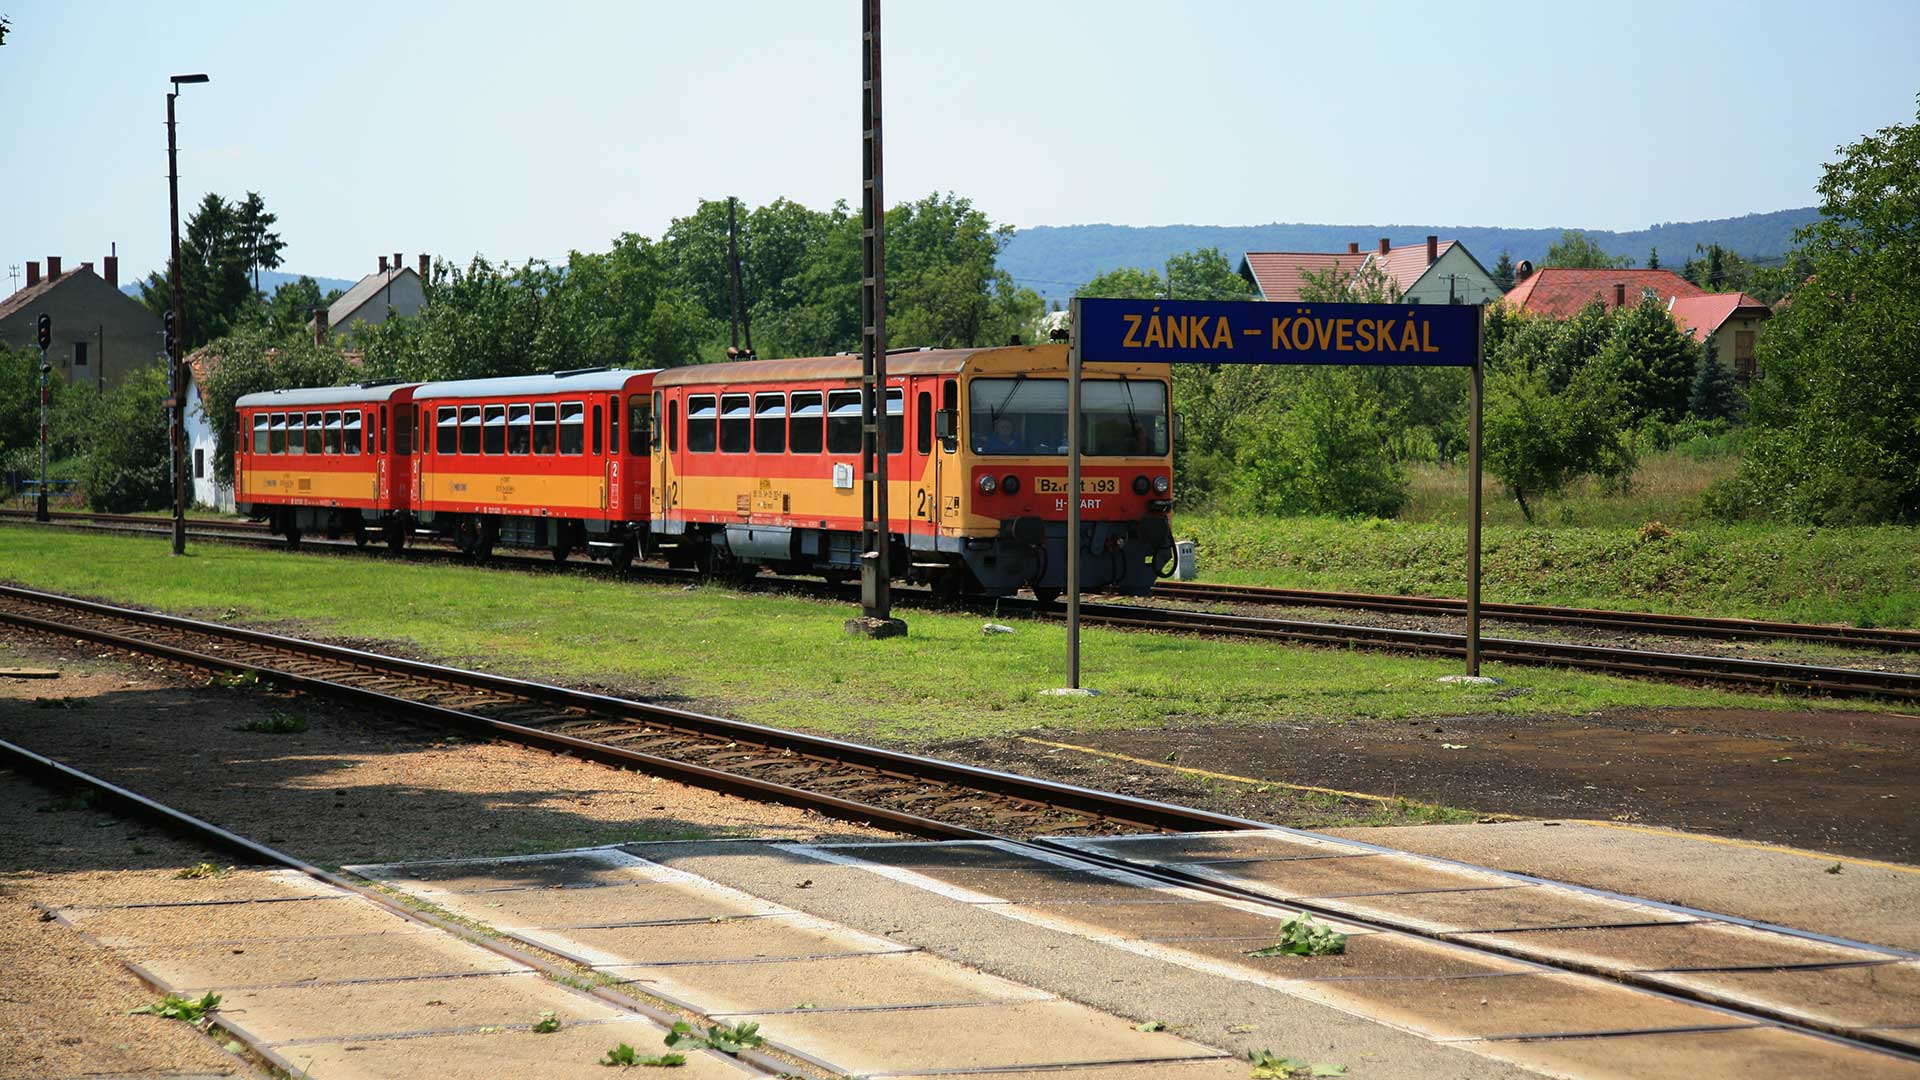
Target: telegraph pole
44	326
176	365
876	538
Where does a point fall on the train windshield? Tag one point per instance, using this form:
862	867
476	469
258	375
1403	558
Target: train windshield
1119	417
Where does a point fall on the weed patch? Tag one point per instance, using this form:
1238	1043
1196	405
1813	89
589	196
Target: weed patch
1301	936
174	1007
626	1057
277	722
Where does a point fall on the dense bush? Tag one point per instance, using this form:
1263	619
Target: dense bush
127	466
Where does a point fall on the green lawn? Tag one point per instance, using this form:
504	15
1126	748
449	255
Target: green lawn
785	660
1863	576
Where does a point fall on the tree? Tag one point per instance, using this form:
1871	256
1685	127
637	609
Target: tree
1503	272
214	261
1577	249
1713	395
127	461
1325	454
1650	360
292	304
1836	414
1653	258
259	247
1538	441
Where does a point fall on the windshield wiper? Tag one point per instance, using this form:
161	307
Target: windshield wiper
993	415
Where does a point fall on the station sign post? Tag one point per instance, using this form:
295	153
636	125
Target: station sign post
1268	332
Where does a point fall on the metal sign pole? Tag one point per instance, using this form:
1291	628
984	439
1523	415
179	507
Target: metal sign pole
40	503
1073	497
1473	496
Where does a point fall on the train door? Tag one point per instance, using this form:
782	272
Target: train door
660	466
639	431
947	480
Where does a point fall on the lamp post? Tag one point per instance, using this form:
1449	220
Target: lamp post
176	422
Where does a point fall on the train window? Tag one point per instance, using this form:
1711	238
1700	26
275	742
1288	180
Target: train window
383	430
519	428
770	424
330	432
314	428
673	426
403	432
350	436
803	430
896	421
493	429
702	427
277	434
543	436
469	429
260	430
613	424
923	425
843	422
573	427
639	422
736	424
597	421
447	432
653	433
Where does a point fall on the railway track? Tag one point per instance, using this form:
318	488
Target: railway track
1766	675
99	621
918	795
1637	622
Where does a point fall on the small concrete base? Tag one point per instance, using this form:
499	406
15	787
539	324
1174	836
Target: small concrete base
1069	691
867	626
1471	680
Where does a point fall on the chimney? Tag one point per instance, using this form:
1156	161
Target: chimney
396	262
1384	246
1353	248
1522	271
53	266
113	270
1619	294
1433	250
383	264
426	266
320	326
33	273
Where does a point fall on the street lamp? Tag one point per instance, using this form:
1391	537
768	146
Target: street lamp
176	426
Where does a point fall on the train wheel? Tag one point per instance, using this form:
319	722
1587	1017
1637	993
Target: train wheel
622	558
1046	596
560	552
359	538
396	540
293	539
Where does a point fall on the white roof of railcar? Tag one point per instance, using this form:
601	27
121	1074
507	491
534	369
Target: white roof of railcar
323	395
563	382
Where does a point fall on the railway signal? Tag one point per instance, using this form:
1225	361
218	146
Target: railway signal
43	327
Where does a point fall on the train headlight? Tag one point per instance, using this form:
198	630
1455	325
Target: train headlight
1160	484
986	484
1010	484
1141	485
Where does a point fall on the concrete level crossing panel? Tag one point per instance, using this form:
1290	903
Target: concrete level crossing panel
572	1053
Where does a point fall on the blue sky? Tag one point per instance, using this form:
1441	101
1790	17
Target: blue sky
528	130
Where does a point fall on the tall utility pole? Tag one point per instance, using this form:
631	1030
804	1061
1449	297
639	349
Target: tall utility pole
176	363
44	328
733	287
876	540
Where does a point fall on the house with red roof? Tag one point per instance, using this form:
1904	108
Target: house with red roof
1439	273
1730	320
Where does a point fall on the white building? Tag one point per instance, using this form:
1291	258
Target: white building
1439	273
205	489
392	290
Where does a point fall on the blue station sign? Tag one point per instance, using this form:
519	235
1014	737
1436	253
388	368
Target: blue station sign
1263	332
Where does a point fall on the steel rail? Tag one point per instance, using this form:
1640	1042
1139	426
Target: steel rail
1666	666
1651	622
1124	810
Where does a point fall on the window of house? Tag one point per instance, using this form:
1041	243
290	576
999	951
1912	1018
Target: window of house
703	414
736	424
493	429
314	429
519	428
80	353
770	424
843	422
199	463
597	422
350	437
804	429
296	433
923	424
573	427
543	427
261	440
639	420
469	429
447	431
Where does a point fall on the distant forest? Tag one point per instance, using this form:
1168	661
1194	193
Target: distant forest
1053	260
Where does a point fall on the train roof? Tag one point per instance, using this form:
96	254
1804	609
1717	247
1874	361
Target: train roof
919	362
559	382
325	395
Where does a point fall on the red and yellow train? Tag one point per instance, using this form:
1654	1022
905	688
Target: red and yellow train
732	467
